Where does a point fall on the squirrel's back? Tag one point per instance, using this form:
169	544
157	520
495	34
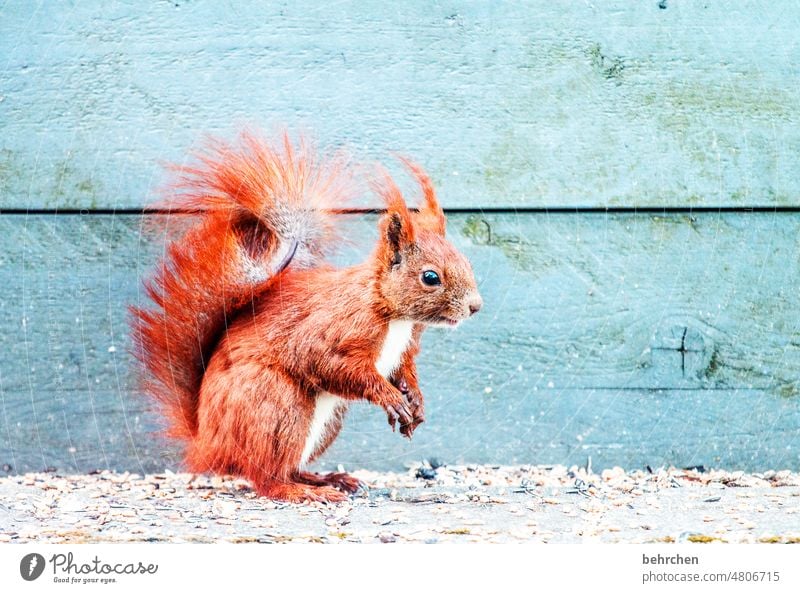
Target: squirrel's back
301	311
258	207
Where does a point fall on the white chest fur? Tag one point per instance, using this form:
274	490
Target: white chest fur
394	345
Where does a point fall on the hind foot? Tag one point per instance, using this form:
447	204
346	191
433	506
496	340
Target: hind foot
299	493
340	480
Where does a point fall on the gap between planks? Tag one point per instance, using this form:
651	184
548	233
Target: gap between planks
465	210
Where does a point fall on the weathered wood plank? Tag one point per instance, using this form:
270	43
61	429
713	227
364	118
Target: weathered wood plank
655	339
632	428
508	104
734	429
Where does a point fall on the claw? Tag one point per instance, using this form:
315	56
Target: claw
407	430
392	417
406	415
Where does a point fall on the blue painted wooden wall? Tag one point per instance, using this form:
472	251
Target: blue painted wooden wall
662	331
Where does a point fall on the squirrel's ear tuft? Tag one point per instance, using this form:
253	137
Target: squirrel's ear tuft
394	238
431	216
397	227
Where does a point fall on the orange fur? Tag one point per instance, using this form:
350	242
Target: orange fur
239	350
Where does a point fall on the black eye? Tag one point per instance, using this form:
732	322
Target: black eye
431	278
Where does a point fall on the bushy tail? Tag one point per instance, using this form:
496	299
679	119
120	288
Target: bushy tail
260	207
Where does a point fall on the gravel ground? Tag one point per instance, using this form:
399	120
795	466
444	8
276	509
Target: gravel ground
425	504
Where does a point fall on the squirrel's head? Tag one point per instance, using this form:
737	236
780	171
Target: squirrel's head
421	276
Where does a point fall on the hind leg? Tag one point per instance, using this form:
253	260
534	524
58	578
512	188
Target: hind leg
340	480
298	492
253	421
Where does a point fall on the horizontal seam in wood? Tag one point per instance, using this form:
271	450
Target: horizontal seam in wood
455	210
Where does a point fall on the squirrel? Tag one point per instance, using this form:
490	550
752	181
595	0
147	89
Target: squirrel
255	344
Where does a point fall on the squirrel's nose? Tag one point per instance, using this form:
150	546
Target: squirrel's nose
475	304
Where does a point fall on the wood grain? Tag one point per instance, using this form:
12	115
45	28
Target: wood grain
554	103
636	339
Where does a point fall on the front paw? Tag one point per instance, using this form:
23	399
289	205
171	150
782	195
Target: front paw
417	404
398	411
419	417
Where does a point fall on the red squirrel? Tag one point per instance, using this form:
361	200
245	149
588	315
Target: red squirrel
256	345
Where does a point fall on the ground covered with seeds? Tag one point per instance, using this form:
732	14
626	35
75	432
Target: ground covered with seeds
425	504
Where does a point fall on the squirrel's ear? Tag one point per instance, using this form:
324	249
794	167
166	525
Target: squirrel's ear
431	216
397	228
394	238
